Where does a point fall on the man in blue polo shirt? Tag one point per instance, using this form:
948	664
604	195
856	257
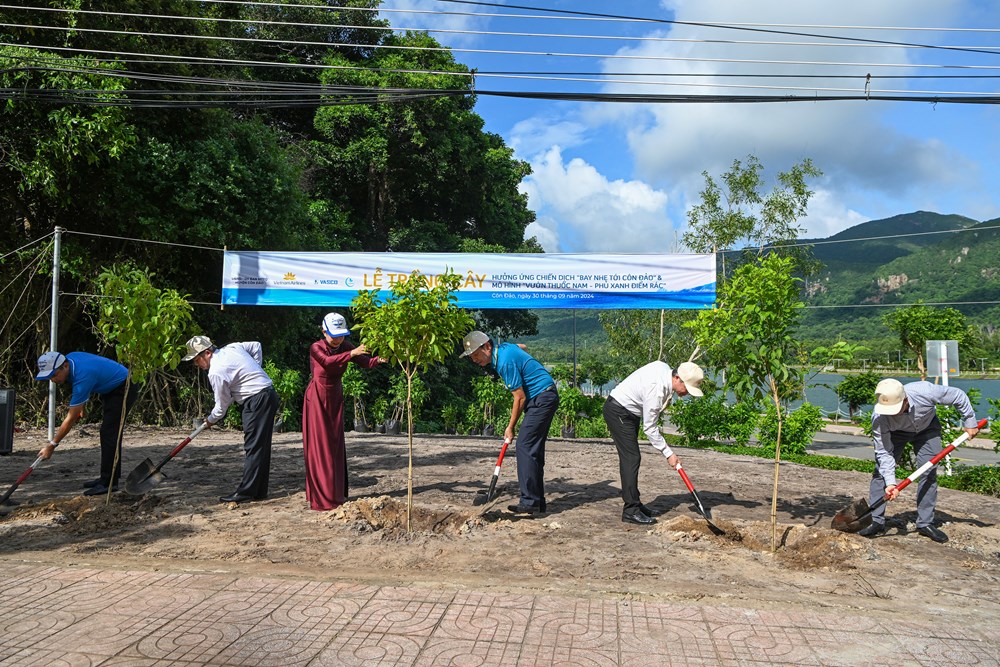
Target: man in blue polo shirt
90	374
535	397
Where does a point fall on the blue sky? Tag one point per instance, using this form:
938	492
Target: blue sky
619	177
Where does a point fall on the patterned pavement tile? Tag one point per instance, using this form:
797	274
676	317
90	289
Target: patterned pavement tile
269	644
570	623
325	589
92	596
560	656
365	649
315	614
44	658
666	612
437	595
23	588
192	640
213	582
761	644
465	653
397	617
943	652
130	661
629	659
261	585
160	602
236	607
22	627
483	622
674	638
101	634
494	600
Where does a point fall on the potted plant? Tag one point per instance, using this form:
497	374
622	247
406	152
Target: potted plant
450	416
572	403
489	394
355	387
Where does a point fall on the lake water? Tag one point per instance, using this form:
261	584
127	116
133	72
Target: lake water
827	400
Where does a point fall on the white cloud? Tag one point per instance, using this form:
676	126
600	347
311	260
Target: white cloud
580	210
431	15
537	134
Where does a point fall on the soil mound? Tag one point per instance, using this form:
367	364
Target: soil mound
388	516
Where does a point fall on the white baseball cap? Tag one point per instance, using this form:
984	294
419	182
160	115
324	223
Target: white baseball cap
335	325
691	375
889	395
196	346
48	364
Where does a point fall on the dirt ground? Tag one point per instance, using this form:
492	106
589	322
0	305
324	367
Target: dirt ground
579	547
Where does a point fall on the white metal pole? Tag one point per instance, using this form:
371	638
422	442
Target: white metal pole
943	360
54	325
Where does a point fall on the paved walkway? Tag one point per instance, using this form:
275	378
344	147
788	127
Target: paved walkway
90	617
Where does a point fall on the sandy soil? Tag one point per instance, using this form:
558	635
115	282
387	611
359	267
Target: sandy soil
581	546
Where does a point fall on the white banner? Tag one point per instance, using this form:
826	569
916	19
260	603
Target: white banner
488	280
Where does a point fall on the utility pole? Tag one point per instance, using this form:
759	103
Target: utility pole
54	325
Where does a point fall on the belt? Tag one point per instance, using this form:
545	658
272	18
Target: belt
551	387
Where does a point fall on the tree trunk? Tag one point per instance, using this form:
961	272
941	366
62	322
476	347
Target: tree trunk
777	466
409	434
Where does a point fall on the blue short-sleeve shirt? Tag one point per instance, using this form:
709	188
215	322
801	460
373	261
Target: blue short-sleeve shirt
91	374
518	369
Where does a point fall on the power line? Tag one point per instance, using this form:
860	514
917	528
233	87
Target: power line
494	33
26	245
560	54
126	238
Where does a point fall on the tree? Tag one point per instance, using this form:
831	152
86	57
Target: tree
918	324
415	325
637	337
839	351
749	333
857	390
738	212
145	324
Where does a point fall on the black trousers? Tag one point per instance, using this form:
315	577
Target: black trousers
530	448
258	428
624	429
112	429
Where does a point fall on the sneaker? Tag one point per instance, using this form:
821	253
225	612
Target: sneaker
873	530
933	533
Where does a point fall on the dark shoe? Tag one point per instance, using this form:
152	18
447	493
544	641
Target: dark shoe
648	511
638	517
237	498
93	483
933	533
524	509
872	530
99	490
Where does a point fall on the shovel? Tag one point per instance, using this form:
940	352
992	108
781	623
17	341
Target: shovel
146	476
701	508
859	515
484	499
24	475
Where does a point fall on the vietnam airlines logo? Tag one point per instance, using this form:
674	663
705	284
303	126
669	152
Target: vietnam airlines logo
289	276
289	279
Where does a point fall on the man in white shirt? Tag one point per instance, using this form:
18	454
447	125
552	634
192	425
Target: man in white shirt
640	399
236	376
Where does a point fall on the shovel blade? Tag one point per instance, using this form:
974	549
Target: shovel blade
854	518
143	479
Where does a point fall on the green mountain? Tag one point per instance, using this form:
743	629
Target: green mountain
920	256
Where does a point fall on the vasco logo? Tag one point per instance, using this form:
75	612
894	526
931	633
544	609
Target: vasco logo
326	282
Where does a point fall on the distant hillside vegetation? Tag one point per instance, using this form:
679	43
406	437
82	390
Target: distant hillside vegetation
861	275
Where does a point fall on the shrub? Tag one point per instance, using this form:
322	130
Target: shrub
592	427
975	479
699	418
800	425
740	422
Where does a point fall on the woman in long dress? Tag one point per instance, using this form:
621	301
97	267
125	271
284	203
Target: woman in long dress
323	413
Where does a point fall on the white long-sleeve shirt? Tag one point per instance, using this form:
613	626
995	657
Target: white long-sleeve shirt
235	374
646	393
923	396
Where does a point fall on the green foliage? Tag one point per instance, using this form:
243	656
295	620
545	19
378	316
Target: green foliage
798	428
740	422
749	333
634	337
416	325
994	414
356	387
698	419
950	418
572	404
918	324
145	324
984	480
491	399
839	351
418	395
592	427
289	385
857	390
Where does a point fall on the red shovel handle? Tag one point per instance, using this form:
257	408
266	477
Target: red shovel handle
916	474
684	476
